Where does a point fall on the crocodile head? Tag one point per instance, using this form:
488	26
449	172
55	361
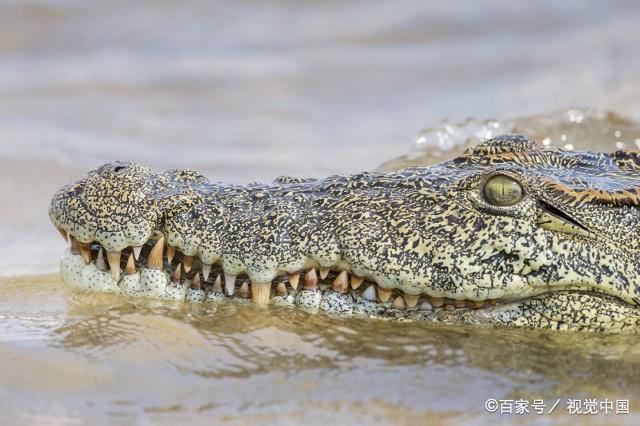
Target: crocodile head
508	233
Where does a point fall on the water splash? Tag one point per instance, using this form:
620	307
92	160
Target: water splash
579	129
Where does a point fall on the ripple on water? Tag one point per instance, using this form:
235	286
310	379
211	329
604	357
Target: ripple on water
129	357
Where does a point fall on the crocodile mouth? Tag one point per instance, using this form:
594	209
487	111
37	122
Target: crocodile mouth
158	270
508	230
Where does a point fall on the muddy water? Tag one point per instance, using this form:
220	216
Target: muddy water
247	91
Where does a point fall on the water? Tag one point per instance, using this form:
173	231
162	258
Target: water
245	91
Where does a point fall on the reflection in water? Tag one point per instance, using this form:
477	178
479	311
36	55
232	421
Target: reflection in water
132	357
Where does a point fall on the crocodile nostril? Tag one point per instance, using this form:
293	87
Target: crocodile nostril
118	169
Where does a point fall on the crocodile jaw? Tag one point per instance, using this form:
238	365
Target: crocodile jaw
549	310
421	236
265	232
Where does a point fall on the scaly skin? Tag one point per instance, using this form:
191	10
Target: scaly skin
561	253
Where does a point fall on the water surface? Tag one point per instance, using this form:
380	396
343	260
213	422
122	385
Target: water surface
243	91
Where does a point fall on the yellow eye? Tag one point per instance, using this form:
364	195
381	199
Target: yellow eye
501	190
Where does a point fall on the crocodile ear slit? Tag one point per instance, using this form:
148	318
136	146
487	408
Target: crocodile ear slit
554	219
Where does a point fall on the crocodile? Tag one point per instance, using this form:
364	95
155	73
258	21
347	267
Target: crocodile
509	233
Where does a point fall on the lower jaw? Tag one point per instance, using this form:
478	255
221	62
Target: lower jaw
544	311
365	301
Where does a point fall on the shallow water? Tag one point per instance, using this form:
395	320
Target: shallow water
246	91
77	357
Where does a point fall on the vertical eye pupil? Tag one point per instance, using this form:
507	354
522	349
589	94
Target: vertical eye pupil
502	190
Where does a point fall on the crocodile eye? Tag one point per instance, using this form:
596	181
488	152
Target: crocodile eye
502	190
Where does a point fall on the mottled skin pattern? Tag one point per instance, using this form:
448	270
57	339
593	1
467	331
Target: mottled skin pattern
564	255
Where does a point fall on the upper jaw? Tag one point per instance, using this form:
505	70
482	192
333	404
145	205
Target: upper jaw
138	205
118	205
72	213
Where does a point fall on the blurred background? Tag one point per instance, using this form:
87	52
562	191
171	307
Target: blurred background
249	90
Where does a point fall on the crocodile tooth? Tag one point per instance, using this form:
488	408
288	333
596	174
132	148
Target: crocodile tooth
341	283
230	284
459	303
206	270
100	264
384	294
113	257
64	234
131	265
175	277
311	279
426	306
449	308
136	251
398	303
73	243
171	252
476	304
356	281
281	289
411	299
436	301
187	261
324	272
243	291
294	279
85	251
196	283
217	284
260	292
370	293
155	255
